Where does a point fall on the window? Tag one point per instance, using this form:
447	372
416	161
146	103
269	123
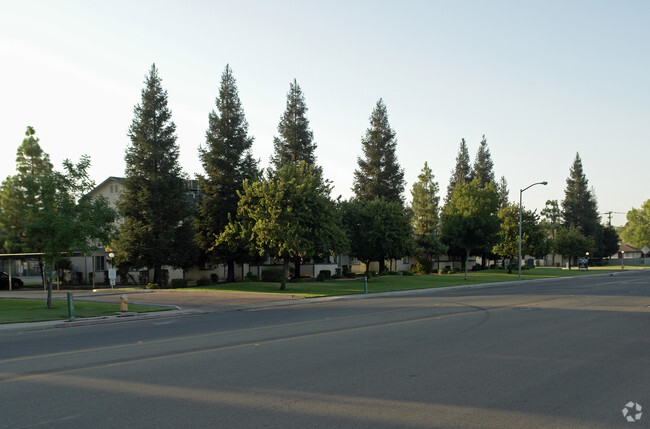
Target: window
405	260
100	263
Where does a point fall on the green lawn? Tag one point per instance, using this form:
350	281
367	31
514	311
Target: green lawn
34	310
388	283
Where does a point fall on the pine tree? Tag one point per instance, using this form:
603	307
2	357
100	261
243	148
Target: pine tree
504	193
462	173
425	219
379	175
157	230
579	207
295	142
483	165
227	161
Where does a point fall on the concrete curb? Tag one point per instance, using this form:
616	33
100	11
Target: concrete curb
260	306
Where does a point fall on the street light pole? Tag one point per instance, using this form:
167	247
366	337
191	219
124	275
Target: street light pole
521	191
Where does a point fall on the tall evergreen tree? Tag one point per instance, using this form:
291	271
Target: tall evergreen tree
504	193
227	161
425	220
295	141
462	173
483	166
379	175
157	228
579	207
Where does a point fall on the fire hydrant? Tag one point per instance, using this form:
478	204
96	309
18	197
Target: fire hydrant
124	303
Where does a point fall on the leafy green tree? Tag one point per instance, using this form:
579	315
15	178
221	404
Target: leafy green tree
56	216
462	173
19	194
157	229
483	166
469	220
65	220
637	228
571	243
295	142
533	237
377	230
379	175
227	161
426	220
287	215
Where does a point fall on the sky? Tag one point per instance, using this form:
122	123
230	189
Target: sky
542	80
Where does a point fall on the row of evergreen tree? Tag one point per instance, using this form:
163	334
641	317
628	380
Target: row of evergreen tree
244	213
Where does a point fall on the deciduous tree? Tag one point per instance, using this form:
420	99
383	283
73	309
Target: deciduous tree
469	220
637	228
377	230
287	215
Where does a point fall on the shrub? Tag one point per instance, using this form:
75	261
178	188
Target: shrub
250	277
406	273
203	281
372	273
178	283
153	286
324	275
214	278
350	275
272	275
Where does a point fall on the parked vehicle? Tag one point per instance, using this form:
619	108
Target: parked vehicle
16	283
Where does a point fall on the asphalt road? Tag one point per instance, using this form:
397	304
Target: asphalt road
558	353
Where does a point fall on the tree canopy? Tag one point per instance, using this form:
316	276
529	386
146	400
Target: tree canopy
377	230
637	228
379	175
287	215
469	220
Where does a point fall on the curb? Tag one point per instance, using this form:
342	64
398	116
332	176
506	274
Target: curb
127	317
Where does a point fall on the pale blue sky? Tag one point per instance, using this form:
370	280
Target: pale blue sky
541	79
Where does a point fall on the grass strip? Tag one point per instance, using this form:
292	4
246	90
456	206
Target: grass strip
16	310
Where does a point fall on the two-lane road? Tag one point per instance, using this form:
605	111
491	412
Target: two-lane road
557	353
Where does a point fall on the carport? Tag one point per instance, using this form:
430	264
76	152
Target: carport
12	257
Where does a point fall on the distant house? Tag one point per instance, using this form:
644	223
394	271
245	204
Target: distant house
625	251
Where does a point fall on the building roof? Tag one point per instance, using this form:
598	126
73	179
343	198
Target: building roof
628	249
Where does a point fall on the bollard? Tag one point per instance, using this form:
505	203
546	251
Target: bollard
124	303
70	307
365	284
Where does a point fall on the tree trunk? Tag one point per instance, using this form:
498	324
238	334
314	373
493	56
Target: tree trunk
296	268
382	265
230	276
285	272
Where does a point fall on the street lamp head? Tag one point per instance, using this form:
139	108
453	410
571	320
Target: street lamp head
545	183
